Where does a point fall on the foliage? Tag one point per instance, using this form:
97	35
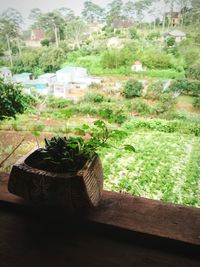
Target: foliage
186	86
155	89
166	103
193	72
170	41
164	167
155	59
94	97
92	12
132	88
157	73
196	103
133	33
116	58
12	100
139	106
71	153
58	102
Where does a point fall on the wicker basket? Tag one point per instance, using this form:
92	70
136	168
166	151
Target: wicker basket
73	190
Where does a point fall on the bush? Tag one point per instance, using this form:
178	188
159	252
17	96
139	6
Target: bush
59	102
170	41
140	106
116	58
133	33
186	86
196	103
154	59
166	103
132	88
12	100
94	97
155	90
193	72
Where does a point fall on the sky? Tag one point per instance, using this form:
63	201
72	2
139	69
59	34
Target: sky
24	6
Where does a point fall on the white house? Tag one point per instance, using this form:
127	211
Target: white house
178	35
47	78
70	74
5	73
22	77
137	66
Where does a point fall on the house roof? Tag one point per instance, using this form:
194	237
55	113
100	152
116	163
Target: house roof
38	34
4	69
172	14
47	75
177	33
70	69
122	23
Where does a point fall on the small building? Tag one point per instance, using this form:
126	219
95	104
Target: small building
5	73
70	74
137	66
178	35
173	18
22	77
37	35
122	23
47	78
94	27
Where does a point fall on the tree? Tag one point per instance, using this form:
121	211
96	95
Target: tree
12	100
8	33
51	59
52	22
74	31
10	24
115	11
35	14
132	88
129	10
92	12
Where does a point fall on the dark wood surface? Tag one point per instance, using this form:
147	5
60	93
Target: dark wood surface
122	231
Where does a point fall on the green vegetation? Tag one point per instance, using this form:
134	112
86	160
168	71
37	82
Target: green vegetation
155	108
12	100
132	88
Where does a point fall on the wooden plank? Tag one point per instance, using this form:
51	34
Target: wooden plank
136	214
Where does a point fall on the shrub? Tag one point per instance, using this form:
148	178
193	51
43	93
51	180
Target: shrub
59	102
156	59
166	103
196	103
94	97
116	58
193	72
170	41
155	90
186	86
12	100
133	33
132	88
141	107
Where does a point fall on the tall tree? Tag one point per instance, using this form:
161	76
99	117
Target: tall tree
35	14
129	10
52	22
10	25
92	12
115	11
74	31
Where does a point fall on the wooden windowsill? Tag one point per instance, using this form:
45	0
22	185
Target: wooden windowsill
135	214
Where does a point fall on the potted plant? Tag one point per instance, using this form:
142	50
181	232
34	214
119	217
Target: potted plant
66	172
